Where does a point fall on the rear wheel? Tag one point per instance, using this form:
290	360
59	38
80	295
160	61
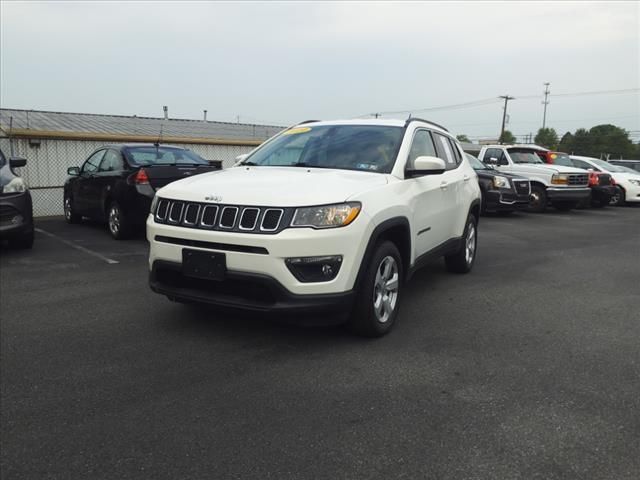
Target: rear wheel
537	199
378	296
119	227
462	261
69	213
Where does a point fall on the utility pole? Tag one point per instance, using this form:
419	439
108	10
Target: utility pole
376	115
504	115
545	103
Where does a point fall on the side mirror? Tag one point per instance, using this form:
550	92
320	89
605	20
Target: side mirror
426	165
15	162
491	161
73	171
240	158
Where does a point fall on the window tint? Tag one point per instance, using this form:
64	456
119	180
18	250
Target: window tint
92	163
445	151
111	162
422	145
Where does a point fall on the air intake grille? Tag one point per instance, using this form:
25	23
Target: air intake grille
228	218
579	179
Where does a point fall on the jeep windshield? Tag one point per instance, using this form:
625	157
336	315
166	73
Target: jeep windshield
151	156
522	155
371	148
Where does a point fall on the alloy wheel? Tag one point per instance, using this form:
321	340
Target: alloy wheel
114	219
470	244
385	291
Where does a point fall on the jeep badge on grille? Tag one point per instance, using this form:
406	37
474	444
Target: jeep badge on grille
213	198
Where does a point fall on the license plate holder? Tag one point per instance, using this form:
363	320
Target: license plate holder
204	265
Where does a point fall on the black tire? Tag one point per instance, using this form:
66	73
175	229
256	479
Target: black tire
462	261
619	198
69	214
23	242
378	286
483	205
601	203
117	222
537	199
565	206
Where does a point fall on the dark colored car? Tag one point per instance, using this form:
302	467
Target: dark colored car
16	211
602	185
117	183
501	192
633	164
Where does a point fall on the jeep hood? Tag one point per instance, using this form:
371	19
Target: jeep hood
274	186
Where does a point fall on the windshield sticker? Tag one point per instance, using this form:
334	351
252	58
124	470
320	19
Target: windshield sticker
295	131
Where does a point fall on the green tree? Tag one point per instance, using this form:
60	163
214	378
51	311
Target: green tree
507	137
601	141
547	137
566	143
463	138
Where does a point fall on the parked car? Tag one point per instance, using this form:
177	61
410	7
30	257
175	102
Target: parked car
632	164
562	187
117	183
16	210
603	186
501	192
627	180
330	216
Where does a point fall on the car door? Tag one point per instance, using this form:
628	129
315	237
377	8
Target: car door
427	198
85	184
452	185
110	171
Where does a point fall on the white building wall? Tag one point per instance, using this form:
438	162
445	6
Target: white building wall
47	164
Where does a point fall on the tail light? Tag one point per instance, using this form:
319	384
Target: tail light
140	177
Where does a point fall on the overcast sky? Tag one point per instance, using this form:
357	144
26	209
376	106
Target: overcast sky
283	62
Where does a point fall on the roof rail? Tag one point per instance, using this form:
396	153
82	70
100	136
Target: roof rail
416	119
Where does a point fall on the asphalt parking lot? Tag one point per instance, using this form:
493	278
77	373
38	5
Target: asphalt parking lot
529	367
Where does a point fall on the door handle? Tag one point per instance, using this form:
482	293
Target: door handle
444	185
466	178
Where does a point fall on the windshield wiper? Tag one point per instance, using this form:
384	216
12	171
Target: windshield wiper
249	164
306	165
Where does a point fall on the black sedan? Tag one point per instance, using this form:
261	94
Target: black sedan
116	184
501	192
16	211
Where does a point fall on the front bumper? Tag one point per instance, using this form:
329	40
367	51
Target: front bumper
632	193
16	215
244	291
507	200
568	194
602	192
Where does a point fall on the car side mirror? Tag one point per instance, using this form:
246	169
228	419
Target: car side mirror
241	158
426	165
15	162
73	171
491	161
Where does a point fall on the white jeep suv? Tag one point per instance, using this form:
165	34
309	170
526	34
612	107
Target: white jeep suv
325	216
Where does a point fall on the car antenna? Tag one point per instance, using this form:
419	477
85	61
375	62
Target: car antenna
157	144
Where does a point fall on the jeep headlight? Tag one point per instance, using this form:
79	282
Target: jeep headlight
635	182
154	204
560	179
16	185
501	182
326	216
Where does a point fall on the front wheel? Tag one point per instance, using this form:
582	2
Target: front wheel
69	213
537	199
618	198
378	295
462	261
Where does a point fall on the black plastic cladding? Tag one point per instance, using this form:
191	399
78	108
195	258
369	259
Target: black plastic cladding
208	216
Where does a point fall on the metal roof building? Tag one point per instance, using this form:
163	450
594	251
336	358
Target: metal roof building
53	141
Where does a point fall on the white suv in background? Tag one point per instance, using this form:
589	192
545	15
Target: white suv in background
325	216
627	180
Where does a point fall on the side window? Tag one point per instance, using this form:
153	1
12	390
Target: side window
422	145
111	162
502	158
445	152
456	151
585	165
92	163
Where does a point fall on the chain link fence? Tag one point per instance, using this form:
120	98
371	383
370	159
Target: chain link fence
48	160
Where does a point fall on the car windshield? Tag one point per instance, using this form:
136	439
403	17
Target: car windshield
475	163
524	156
371	148
608	167
561	159
149	156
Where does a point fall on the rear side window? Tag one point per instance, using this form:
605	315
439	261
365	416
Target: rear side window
111	162
422	146
445	152
456	152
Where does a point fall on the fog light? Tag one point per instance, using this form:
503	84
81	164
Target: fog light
17	219
314	269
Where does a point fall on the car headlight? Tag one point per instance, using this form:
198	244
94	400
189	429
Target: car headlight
635	182
501	182
16	185
326	216
560	179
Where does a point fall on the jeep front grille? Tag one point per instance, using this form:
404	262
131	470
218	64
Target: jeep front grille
522	187
579	179
228	218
